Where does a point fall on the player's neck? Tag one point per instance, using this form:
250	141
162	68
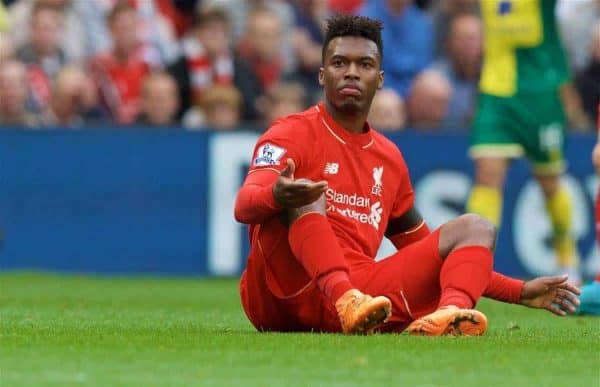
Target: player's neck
353	123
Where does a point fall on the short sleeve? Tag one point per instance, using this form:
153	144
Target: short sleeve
285	139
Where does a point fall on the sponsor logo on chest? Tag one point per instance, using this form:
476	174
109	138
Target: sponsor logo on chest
354	199
353	205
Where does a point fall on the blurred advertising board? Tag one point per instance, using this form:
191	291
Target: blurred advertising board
161	202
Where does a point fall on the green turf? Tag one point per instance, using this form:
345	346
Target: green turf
68	331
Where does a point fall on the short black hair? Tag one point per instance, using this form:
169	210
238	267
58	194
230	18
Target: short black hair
350	25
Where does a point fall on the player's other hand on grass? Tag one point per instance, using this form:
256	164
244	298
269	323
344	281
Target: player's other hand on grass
551	293
294	193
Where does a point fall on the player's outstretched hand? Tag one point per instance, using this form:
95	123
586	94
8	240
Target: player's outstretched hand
292	193
551	293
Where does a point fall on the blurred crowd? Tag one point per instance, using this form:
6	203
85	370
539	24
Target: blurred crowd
223	64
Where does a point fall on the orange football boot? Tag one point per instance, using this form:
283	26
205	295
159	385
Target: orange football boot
450	321
361	313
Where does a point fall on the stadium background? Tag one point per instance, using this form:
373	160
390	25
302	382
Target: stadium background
109	168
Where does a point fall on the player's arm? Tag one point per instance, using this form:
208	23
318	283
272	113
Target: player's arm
407	228
503	288
405	225
554	294
270	185
255	201
267	191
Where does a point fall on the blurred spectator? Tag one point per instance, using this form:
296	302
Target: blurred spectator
443	12
156	35
281	100
461	67
180	13
249	85
73	96
239	12
219	109
42	46
6	48
207	57
307	40
119	73
575	18
260	46
83	27
408	37
13	95
160	100
428	100
588	81
41	52
387	111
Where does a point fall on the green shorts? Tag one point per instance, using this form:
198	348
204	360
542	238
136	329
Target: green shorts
521	125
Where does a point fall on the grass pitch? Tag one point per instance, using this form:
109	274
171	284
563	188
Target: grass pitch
70	331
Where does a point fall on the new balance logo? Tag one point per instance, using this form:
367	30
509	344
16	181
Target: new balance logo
331	168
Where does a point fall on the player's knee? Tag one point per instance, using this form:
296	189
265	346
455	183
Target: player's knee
549	185
466	230
478	230
490	172
319	206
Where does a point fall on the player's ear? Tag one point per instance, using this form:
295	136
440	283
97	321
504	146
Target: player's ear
380	85
321	76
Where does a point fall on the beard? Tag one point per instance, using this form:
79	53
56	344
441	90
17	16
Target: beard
349	106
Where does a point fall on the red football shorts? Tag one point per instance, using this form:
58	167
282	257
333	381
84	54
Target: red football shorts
278	295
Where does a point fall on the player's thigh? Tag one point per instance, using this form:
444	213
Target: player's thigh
494	132
543	133
410	277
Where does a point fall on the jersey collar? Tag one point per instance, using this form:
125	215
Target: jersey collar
362	140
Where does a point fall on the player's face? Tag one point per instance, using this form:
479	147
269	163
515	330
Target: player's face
351	73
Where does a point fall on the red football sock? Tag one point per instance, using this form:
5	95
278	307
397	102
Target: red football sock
334	284
465	275
315	246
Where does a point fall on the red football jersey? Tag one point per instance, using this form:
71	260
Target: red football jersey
368	181
368	184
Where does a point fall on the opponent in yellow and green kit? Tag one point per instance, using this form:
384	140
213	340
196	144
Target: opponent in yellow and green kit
520	110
